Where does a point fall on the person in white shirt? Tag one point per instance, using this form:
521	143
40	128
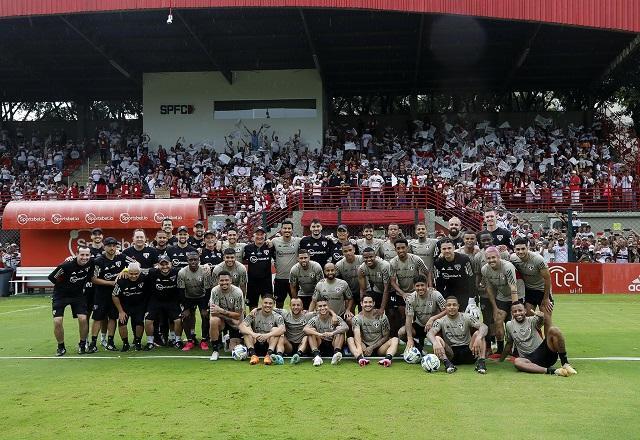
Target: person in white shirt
560	251
376	183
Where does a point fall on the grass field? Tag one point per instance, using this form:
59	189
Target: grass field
135	396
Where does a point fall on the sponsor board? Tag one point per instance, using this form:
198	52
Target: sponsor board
576	278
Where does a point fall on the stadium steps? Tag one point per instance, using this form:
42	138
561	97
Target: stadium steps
83	173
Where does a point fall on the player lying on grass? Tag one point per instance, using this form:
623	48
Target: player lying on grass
535	354
371	335
454	340
262	332
423	307
326	336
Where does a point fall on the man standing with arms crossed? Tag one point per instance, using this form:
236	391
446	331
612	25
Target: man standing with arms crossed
347	269
335	291
304	276
194	284
257	257
454	276
373	276
424	247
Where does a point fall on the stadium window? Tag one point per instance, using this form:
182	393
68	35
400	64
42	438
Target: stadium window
265	109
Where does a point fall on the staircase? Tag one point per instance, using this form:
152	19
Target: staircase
83	173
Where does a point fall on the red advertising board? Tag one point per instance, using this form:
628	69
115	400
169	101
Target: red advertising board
576	278
621	278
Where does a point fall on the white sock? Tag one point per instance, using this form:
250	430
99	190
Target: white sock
172	336
150	339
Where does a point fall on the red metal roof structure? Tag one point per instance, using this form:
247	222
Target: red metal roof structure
604	14
99	50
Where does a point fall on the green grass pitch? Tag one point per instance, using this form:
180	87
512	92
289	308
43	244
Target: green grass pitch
133	396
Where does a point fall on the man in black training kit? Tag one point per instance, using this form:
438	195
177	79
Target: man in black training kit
140	252
454	276
319	246
69	280
97	246
501	237
164	300
106	270
178	253
129	297
197	239
257	257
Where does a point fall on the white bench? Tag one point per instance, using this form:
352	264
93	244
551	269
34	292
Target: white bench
32	278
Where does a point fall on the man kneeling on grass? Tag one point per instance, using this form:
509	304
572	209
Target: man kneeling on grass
371	335
326	334
536	355
262	331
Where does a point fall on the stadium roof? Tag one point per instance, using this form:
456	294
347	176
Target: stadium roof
54	50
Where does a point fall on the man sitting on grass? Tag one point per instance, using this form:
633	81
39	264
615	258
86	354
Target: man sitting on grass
262	332
535	354
326	337
371	335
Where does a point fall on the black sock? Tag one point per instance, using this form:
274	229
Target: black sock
216	344
563	358
315	353
359	357
500	346
94	340
388	356
251	351
551	370
61	345
269	352
447	363
337	350
125	341
137	340
83	342
279	353
299	352
110	340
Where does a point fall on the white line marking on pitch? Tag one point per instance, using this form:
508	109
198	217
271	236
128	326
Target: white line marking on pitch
23	310
85	357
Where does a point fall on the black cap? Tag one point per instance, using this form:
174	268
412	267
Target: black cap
164	257
109	240
96	231
183	228
198	223
343	227
209	232
260	229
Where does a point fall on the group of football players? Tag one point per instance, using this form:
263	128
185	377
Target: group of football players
364	297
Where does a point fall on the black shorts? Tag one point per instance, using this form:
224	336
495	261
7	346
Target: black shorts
543	356
200	303
257	287
326	348
261	348
89	294
487	311
535	297
234	333
295	346
78	306
419	333
280	291
157	310
103	307
462	355
135	314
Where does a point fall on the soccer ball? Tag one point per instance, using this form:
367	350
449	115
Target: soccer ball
430	363
239	353
411	356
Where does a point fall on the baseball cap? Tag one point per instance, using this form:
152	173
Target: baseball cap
183	229
260	229
342	227
198	223
164	257
109	240
96	231
209	232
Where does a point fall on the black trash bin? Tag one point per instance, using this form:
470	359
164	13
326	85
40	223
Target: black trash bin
5	277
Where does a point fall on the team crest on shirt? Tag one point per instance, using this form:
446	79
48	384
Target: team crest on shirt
118	263
461	325
412	267
376	324
530	267
499	237
457	266
146	255
429	304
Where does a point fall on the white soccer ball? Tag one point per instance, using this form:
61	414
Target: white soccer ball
430	363
412	355
239	353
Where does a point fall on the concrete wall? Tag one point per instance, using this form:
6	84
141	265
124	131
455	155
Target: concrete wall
201	89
